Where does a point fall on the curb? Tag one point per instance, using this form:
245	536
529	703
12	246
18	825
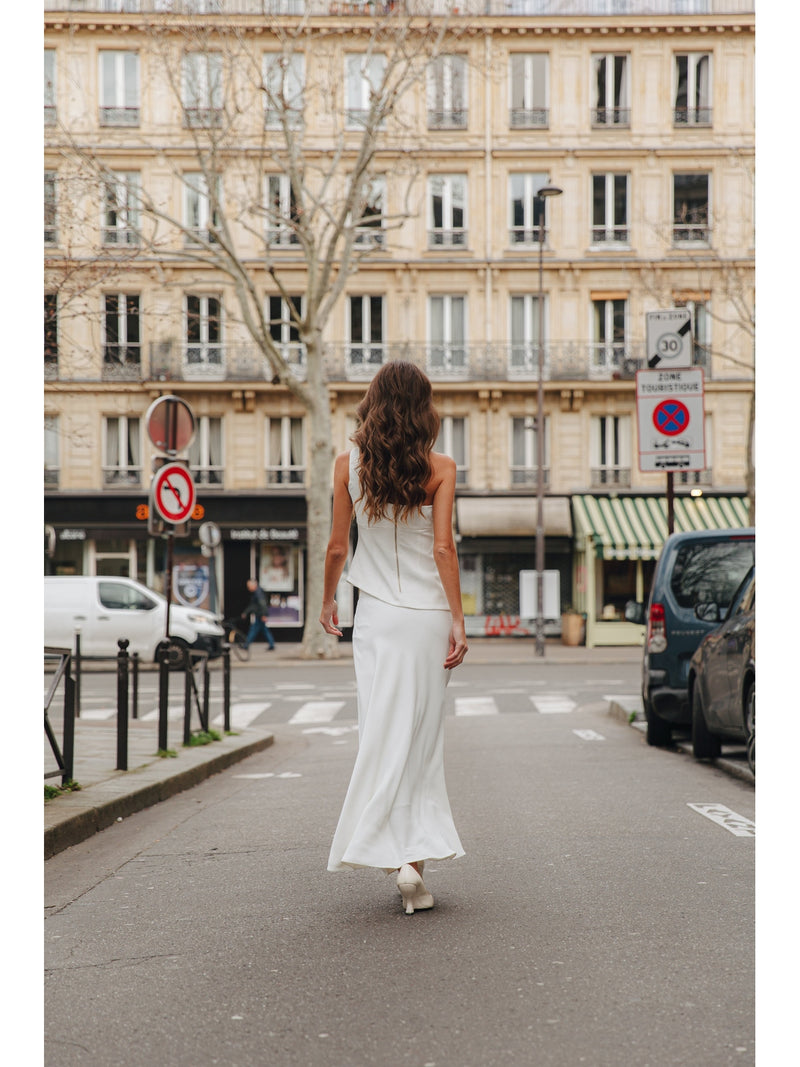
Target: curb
75	817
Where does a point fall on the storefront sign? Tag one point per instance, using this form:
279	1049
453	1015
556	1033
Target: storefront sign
265	534
72	535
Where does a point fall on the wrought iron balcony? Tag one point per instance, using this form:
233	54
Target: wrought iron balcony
692	116
611	116
119	116
529	118
493	8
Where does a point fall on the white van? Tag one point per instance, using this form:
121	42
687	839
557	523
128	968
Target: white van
106	609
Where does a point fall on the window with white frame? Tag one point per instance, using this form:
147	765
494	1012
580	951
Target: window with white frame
369	230
284	77
610	450
206	460
364	75
366	330
50	208
121	209
202	89
285	451
122	450
52	452
203	332
706	475
51	335
524	469
283	315
282	211
49	86
447	210
690	208
692	89
610	197
524	357
700	319
121	338
527	210
452	441
119	89
610	91
201	198
447	334
609	315
447	93
528	90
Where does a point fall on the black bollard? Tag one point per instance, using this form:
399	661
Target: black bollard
68	751
135	694
122	704
226	687
206	693
163	696
77	674
187	702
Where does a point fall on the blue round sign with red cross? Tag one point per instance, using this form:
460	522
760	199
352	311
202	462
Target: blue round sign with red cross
671	417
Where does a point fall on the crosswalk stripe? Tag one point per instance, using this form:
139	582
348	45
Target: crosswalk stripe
552	703
243	714
476	706
317	711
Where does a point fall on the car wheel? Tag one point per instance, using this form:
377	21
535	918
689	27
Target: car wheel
750	720
704	744
659	733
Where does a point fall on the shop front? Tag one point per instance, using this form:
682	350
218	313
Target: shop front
617	543
496	537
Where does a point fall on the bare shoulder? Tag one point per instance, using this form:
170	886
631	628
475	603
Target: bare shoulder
442	463
341	467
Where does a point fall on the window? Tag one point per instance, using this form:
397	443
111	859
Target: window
121	347
524	455
710	572
115	596
527	210
52	465
51	335
528	89
119	88
447	93
363	79
130	5
610	209
610	450
690	209
447	199
365	315
608	349
610	91
202	89
447	329
285	462
282	211
369	230
122	451
525	312
452	440
283	329
692	89
205	452
705	476
49	86
50	216
201	198
203	333
283	84
701	331
121	211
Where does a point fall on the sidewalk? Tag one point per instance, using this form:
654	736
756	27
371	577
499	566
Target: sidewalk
107	795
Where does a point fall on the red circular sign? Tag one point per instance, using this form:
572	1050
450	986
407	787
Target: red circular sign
173	493
671	417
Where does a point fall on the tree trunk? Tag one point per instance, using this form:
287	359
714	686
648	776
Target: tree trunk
751	462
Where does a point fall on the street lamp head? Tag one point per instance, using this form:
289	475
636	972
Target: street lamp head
549	190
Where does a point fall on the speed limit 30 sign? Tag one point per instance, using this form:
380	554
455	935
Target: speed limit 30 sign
669	338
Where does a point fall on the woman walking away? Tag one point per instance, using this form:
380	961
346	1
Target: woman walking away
408	632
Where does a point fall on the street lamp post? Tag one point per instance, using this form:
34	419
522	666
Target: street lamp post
541	195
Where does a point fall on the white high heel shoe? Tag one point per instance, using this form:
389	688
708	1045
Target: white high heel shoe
412	889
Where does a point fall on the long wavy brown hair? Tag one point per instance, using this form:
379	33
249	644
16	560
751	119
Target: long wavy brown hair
398	427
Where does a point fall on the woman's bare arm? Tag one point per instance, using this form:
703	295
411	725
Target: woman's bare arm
338	544
446	556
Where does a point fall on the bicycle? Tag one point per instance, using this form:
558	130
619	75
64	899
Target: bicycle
237	637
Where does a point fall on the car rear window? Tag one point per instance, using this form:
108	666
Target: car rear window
710	572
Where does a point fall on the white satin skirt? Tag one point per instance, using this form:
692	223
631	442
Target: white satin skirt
396	809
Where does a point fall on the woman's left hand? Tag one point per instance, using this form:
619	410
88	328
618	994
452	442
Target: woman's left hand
458	646
329	617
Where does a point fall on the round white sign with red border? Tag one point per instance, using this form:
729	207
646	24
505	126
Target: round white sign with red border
173	493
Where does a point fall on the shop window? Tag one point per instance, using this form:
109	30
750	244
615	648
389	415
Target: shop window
280	574
617	585
524	469
452	441
52	450
285	451
610	450
528	88
205	453
122	451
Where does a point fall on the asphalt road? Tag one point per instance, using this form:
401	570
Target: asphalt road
596	919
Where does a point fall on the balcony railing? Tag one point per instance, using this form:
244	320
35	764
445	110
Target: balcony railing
493	8
122	363
529	118
453	119
619	476
119	116
611	116
447	238
692	116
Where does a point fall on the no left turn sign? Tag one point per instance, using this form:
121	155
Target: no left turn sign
173	493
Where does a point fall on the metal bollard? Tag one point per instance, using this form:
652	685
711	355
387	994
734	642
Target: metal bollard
68	751
135	677
163	697
122	704
187	702
77	674
206	694
226	687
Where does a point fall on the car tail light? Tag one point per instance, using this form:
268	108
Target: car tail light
656	629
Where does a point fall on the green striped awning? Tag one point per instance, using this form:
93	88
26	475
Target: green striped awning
635	527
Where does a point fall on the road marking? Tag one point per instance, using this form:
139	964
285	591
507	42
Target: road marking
589	735
174	712
97	713
294	685
476	706
270	774
735	824
508	692
553	703
243	714
331	731
317	711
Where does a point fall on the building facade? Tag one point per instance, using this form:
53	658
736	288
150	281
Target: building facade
640	113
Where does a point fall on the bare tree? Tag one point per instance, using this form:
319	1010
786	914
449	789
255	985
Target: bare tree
289	141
